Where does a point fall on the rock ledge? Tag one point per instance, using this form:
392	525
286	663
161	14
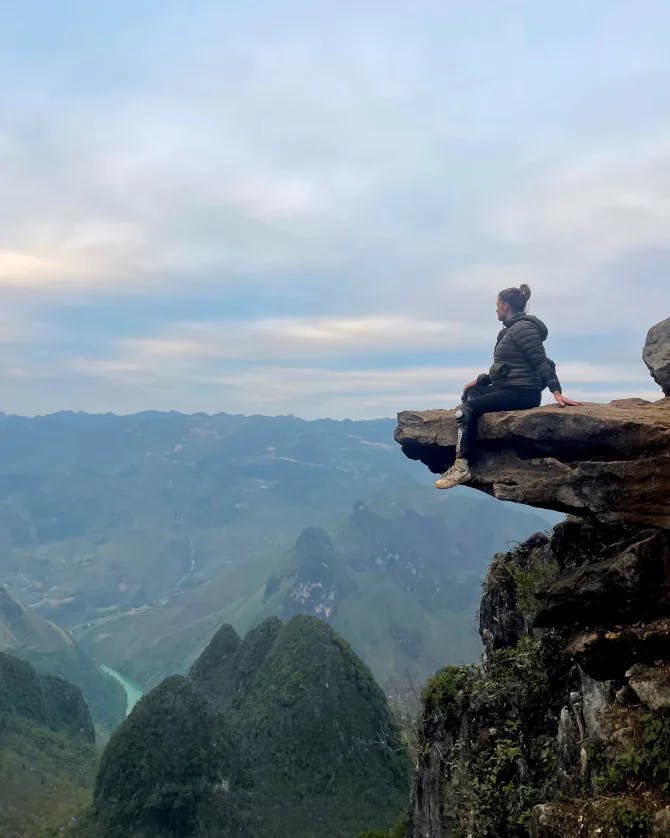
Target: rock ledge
607	461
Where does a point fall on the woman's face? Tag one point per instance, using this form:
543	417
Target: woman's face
503	310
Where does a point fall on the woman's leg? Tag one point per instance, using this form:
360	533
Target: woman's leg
493	401
475	403
466	417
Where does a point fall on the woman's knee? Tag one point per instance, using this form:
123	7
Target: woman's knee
465	414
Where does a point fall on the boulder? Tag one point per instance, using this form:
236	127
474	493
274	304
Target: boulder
609	461
651	684
656	354
660	828
608	653
634	584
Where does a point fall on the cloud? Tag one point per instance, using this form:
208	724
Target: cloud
165	178
27	269
600	205
298	337
20	332
308	391
589	235
273	154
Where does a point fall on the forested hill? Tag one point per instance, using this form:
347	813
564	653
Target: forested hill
47	754
52	650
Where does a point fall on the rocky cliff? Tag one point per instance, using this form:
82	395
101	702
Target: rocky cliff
564	730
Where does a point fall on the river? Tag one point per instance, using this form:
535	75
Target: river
133	691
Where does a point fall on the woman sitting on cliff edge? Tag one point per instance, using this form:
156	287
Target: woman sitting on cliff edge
519	373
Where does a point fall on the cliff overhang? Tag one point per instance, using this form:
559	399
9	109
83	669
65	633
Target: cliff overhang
606	461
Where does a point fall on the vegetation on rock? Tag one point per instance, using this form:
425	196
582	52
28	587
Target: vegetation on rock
645	762
532	740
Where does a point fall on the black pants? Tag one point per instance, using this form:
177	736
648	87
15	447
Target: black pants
483	398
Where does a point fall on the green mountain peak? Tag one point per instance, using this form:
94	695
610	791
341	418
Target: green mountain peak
283	732
161	768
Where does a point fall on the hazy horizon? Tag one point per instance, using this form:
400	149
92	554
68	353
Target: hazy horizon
195	413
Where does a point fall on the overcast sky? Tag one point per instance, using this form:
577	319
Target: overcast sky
308	207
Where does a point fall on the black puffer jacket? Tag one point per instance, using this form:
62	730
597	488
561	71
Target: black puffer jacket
519	359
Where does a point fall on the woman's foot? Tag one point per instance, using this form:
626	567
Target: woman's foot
458	473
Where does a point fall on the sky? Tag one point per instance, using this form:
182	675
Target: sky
309	207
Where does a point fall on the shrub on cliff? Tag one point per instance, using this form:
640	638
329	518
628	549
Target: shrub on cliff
496	725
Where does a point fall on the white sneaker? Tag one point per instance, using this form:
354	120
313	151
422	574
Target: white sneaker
458	473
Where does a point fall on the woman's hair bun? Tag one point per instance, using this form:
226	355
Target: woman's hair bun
516	298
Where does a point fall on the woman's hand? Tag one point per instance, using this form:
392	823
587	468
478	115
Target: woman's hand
563	401
470	384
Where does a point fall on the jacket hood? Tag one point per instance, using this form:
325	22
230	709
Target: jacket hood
539	325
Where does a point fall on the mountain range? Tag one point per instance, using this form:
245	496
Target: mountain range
142	534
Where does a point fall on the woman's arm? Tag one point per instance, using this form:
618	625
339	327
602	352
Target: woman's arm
527	338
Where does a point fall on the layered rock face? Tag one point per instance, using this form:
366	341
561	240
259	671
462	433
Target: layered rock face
564	730
608	461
